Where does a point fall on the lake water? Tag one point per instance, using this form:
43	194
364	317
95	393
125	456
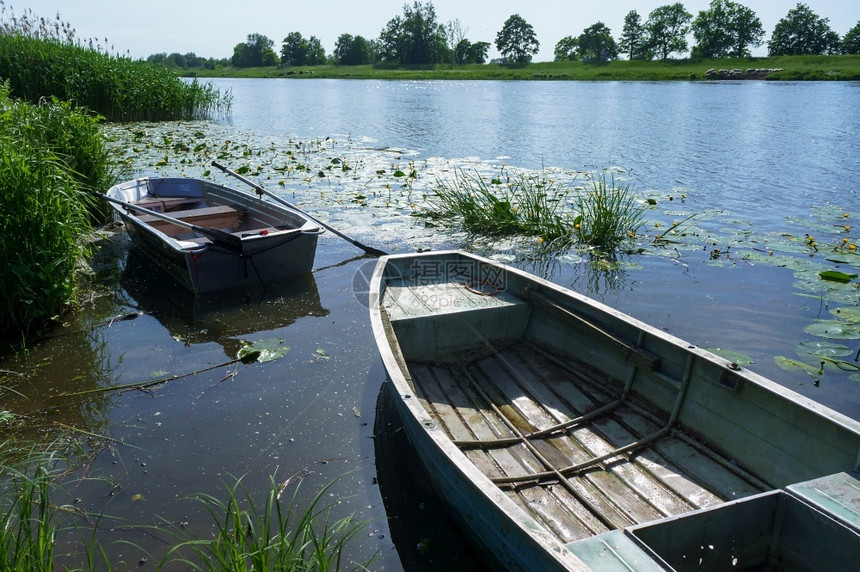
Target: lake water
747	169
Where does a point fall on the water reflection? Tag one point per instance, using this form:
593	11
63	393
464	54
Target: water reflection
426	536
223	316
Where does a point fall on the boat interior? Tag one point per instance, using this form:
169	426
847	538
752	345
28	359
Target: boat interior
204	205
593	426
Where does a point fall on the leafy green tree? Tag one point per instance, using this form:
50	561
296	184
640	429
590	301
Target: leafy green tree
634	38
726	28
516	41
414	38
566	49
851	41
299	51
596	44
468	53
802	31
256	51
352	51
667	28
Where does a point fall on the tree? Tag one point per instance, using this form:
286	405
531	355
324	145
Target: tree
256	51
516	41
414	38
468	53
726	29
634	38
455	33
851	41
596	44
566	49
298	51
802	31
352	51
667	28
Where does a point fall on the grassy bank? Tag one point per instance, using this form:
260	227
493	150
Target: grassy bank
792	68
51	155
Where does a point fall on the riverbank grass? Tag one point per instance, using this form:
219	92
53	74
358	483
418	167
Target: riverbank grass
51	156
791	68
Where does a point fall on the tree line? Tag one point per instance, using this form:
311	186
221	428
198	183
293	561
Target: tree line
417	37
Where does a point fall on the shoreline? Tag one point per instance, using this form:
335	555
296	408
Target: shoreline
781	68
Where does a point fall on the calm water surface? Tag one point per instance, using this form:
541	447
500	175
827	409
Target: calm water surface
761	159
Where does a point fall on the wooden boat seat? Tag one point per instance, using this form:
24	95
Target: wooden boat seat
445	316
166	204
220	217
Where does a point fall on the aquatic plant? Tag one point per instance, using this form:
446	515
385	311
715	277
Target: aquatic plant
28	521
42	58
529	204
274	536
608	214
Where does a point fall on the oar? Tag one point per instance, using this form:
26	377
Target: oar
220	237
368	249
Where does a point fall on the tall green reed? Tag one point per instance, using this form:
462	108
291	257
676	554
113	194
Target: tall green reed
272	536
28	521
42	58
535	205
608	213
50	156
531	205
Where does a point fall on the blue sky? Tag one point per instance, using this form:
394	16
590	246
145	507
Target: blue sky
211	28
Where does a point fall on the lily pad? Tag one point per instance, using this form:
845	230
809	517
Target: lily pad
263	350
849	313
732	356
789	364
834	329
825	349
836	276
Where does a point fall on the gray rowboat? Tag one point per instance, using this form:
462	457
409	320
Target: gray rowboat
211	237
566	435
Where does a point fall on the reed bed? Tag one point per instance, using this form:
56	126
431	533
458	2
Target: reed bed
530	204
537	206
51	155
41	59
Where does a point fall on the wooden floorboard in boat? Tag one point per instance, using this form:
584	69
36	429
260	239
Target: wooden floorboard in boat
534	392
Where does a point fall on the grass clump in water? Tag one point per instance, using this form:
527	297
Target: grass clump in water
274	536
247	536
607	215
28	521
535	205
530	205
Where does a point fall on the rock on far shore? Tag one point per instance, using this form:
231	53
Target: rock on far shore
750	73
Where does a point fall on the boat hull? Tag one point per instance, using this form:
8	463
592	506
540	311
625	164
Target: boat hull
554	426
